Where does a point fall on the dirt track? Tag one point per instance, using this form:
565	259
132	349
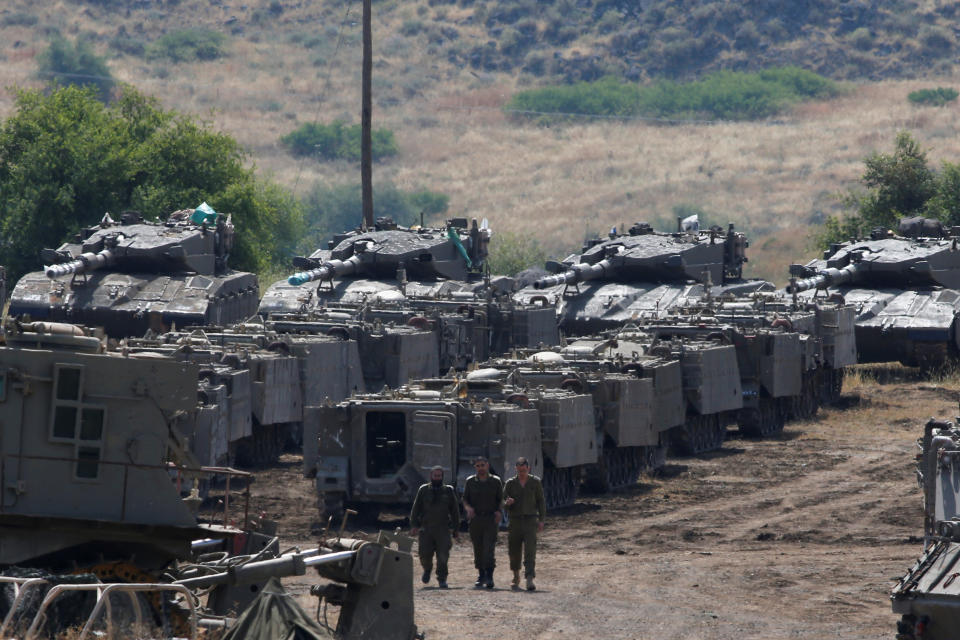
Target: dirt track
796	537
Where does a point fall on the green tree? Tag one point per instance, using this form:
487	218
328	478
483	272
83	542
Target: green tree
74	63
511	253
66	159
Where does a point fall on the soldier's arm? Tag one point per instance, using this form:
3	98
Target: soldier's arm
466	494
541	502
417	509
454	510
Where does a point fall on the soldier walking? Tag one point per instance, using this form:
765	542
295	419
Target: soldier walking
482	496
435	516
526	509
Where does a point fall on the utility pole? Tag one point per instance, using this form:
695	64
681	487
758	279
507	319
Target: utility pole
366	121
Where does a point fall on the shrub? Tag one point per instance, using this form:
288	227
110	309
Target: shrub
933	97
861	38
936	39
188	45
337	140
333	209
74	63
726	95
19	19
511	253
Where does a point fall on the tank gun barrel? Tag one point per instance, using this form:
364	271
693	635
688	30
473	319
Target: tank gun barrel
291	564
329	270
825	278
577	273
86	262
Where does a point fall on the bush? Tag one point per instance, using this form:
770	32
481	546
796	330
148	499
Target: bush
19	19
933	97
333	209
74	63
66	159
188	45
511	253
725	95
861	38
337	141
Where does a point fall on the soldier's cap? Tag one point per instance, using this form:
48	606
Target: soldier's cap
521	460
436	467
479	459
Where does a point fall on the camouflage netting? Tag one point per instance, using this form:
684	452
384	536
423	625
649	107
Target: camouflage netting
275	615
68	610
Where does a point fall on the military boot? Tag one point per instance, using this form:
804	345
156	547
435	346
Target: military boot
489	581
425	578
516	580
481	578
530	585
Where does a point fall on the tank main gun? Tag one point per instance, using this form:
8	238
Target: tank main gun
828	277
576	274
328	271
82	264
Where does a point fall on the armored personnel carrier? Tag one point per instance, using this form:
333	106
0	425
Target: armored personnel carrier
377	449
92	489
430	279
132	275
928	596
640	274
906	291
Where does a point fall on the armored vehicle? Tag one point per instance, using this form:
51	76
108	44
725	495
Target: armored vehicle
431	279
906	291
85	442
132	275
640	274
928	596
376	450
253	386
91	488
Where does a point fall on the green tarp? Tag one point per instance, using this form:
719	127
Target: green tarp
275	615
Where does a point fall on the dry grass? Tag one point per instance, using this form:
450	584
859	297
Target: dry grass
774	179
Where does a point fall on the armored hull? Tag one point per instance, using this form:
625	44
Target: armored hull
640	276
135	276
906	292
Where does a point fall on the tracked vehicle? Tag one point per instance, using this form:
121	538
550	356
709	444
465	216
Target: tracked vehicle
101	527
906	291
429	279
132	276
928	596
640	274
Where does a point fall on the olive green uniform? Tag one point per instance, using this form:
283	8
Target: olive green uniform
526	513
485	497
436	512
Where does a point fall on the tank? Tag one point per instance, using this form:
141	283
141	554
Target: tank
640	274
429	279
132	275
928	597
906	291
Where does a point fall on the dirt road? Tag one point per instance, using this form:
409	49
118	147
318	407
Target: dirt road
795	537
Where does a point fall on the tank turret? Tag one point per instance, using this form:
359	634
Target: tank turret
644	255
906	292
132	275
391	251
640	273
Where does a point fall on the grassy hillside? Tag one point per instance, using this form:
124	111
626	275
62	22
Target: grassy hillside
289	63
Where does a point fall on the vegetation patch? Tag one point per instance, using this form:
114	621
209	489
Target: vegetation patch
330	209
725	95
188	45
933	97
73	63
337	141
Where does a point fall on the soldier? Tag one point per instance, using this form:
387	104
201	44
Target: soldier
526	509
482	495
435	514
